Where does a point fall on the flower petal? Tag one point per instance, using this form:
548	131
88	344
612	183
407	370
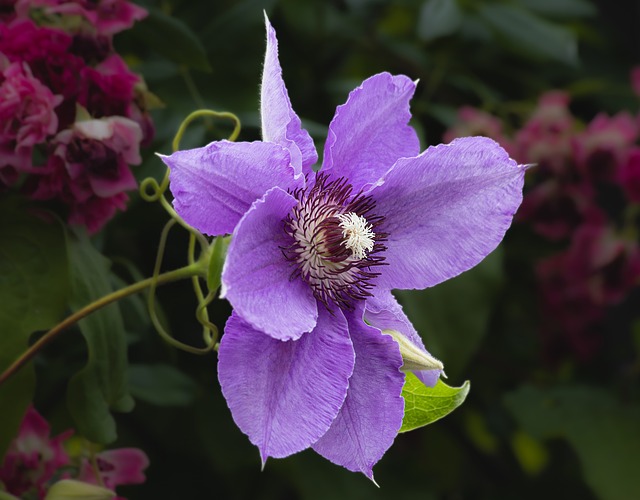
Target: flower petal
280	124
256	277
372	413
215	185
370	132
446	210
284	395
382	311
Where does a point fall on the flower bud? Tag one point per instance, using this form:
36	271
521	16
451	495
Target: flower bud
415	359
68	489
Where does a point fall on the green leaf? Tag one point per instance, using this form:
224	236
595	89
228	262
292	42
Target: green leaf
34	288
438	18
101	386
522	30
161	385
173	39
603	432
561	9
453	316
424	405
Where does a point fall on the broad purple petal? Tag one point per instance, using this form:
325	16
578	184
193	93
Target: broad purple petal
372	413
446	210
370	131
382	311
280	124
284	395
256	278
215	185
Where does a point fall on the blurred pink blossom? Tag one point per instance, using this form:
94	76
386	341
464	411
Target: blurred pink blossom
554	208
33	457
601	147
117	467
545	139
34	461
88	169
106	17
473	121
630	175
27	115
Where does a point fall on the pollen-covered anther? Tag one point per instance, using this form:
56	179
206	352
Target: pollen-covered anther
357	233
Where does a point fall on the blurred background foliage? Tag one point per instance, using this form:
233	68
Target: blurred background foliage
529	428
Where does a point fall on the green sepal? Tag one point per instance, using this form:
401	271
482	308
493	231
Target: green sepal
424	405
216	262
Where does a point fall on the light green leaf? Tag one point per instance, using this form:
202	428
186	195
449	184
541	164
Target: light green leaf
453	316
424	405
173	39
438	18
161	385
34	288
520	29
604	433
101	385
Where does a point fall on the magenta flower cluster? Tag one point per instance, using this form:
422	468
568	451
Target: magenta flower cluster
582	198
34	461
72	114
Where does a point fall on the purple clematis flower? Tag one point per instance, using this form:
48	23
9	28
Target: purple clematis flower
305	360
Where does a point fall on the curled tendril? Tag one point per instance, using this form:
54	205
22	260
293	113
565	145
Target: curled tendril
152	191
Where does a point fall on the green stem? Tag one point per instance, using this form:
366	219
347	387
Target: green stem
176	274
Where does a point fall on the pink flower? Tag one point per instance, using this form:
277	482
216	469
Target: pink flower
33	458
546	138
571	321
577	286
95	212
635	80
554	208
630	175
116	467
47	52
601	148
88	169
105	17
472	121
109	88
610	265
27	115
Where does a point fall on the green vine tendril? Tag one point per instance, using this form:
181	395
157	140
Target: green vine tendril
152	191
208	265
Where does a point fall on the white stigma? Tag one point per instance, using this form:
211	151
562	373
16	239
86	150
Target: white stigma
359	237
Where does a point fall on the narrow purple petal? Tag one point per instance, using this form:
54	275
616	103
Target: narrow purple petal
372	413
284	395
382	311
280	124
446	210
215	185
370	131
256	277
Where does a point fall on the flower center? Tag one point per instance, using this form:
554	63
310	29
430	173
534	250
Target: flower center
335	241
